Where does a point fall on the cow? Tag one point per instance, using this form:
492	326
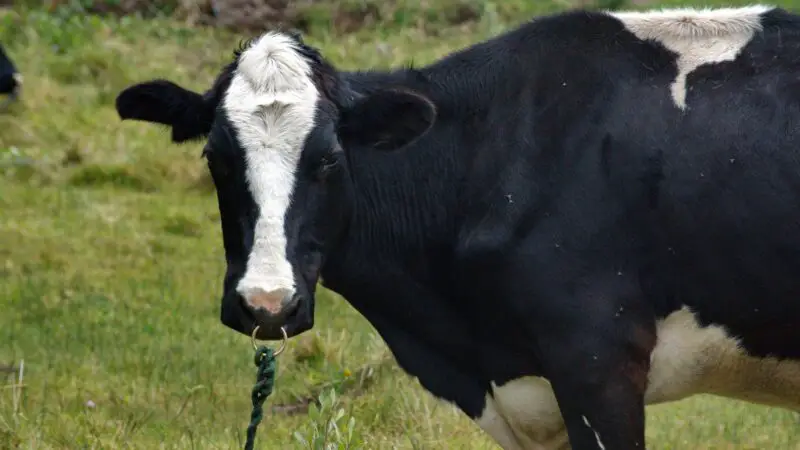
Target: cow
10	79
551	229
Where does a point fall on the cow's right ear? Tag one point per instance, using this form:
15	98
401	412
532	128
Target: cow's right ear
387	119
164	102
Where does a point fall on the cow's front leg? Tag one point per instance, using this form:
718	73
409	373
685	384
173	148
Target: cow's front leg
598	367
609	416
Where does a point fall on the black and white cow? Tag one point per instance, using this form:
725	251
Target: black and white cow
551	229
10	79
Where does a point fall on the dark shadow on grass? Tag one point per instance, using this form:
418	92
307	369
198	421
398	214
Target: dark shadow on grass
183	226
352	386
104	176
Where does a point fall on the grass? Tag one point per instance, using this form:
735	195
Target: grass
111	263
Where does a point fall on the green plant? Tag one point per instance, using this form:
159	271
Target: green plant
328	427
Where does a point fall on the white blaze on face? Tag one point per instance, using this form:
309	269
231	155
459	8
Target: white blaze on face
697	36
270	103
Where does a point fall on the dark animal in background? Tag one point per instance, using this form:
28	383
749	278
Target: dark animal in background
551	229
10	79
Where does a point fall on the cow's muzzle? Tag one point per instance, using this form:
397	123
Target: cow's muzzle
269	311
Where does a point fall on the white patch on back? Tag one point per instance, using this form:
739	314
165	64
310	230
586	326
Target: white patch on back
688	359
697	36
271	103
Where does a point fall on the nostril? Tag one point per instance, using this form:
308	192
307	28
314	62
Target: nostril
271	301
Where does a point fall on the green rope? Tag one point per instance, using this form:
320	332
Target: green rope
265	380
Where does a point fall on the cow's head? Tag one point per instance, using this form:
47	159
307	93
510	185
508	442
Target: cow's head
280	126
10	79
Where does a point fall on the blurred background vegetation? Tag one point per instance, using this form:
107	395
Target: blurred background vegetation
111	257
343	16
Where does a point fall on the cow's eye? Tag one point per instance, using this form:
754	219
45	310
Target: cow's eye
327	164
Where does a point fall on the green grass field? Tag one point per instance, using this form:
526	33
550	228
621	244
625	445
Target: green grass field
111	263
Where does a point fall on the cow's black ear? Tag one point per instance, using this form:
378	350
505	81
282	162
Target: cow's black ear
164	102
387	120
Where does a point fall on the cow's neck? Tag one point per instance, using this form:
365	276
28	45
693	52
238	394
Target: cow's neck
390	268
396	263
398	246
403	210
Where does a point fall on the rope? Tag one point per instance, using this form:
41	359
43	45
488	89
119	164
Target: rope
265	380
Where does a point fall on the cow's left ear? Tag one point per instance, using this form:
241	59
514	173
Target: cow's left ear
160	101
387	120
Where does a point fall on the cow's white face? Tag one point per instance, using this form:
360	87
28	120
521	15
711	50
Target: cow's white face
270	104
279	135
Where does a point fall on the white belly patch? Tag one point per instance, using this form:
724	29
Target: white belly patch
688	359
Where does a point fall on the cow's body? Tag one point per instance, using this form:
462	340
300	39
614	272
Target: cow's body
10	79
603	213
